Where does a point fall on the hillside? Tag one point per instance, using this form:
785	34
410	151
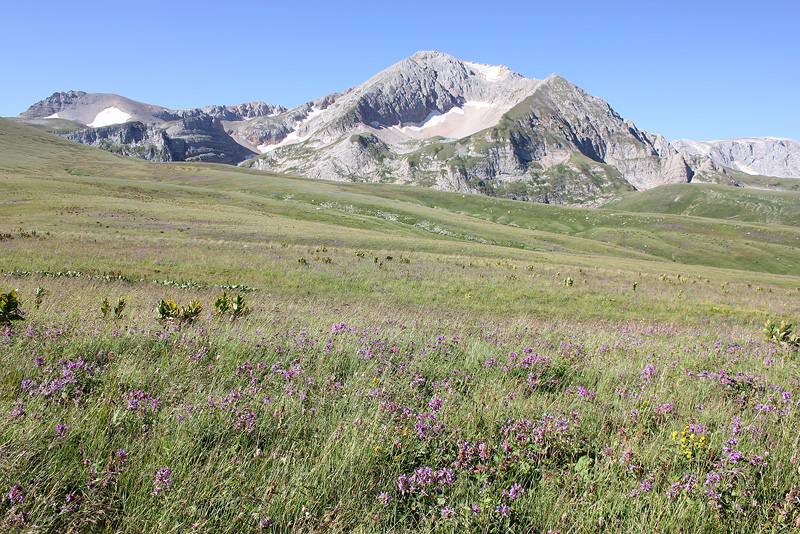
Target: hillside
204	348
99	196
716	202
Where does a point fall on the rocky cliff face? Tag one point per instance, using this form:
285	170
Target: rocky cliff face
770	156
204	139
130	139
200	139
242	112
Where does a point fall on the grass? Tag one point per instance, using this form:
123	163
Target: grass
425	367
717	202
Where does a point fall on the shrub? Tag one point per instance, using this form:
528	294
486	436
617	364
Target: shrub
168	310
119	308
191	312
9	307
781	333
235	305
171	311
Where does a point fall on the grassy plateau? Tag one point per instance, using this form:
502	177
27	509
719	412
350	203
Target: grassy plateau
409	360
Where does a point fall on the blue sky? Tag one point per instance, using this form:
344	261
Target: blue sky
699	69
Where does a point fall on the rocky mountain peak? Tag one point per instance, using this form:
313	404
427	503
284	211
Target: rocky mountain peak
53	104
459	125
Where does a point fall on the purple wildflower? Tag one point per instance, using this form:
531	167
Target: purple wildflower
447	513
15	494
514	491
162	480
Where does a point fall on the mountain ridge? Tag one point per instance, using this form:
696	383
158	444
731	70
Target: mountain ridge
773	156
430	119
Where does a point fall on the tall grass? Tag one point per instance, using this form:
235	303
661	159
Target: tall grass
312	416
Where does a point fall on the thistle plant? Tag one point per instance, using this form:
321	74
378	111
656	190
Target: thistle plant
191	312
238	307
105	308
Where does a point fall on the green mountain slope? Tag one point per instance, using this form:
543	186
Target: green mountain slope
718	202
108	204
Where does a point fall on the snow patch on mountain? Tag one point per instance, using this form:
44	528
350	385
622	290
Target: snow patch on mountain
109	116
492	73
456	123
291	139
299	134
313	114
436	118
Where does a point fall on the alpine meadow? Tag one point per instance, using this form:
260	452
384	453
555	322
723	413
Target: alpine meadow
532	320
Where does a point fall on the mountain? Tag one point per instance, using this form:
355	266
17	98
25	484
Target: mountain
132	128
430	120
436	121
771	156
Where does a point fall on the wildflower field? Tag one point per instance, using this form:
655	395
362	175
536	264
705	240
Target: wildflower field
196	350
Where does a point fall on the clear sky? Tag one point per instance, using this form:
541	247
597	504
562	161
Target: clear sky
685	69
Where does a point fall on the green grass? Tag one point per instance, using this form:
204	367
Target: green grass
764	182
717	202
391	330
52	125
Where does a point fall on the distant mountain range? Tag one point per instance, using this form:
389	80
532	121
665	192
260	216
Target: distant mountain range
429	120
770	156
